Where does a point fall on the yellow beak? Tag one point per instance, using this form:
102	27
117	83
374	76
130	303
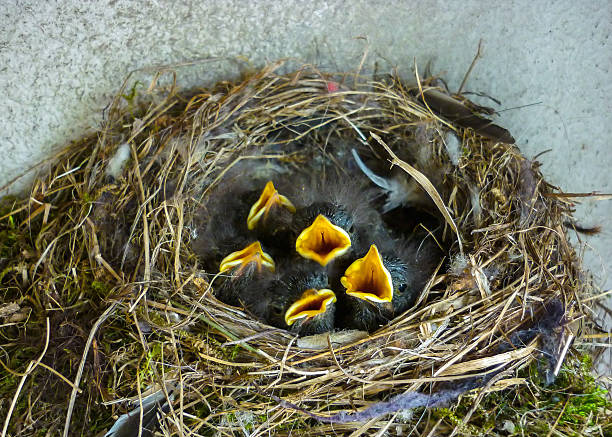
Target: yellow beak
252	253
322	241
311	303
368	279
268	199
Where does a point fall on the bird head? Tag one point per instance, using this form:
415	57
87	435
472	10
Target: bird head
301	302
251	256
368	279
326	236
312	303
269	199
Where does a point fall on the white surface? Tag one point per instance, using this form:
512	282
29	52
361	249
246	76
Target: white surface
61	62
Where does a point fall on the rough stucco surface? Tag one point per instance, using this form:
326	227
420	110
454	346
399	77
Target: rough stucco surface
61	62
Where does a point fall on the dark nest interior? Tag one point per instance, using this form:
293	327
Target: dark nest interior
106	305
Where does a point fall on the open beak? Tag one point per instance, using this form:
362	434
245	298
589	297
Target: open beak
368	279
268	199
252	253
322	241
312	303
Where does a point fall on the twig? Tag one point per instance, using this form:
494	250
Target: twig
568	342
467	74
593	195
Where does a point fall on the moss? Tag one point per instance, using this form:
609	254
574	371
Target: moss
455	418
584	397
101	288
8	239
531	409
87	198
10	234
131	98
133	93
154	354
574	401
7	205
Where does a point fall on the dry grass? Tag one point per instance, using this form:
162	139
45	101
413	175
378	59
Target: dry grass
106	264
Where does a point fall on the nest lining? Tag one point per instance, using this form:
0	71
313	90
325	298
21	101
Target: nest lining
103	238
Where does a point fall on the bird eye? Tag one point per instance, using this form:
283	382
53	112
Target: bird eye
402	288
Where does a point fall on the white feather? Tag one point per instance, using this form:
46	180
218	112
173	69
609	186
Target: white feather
453	147
116	164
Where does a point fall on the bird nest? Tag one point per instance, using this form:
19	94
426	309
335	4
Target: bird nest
106	278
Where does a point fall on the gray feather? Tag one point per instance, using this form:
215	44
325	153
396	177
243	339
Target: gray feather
127	425
400	190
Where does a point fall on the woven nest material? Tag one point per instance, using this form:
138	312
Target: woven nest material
110	265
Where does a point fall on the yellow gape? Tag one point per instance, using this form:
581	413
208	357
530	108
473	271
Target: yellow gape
367	278
241	258
311	303
268	199
322	241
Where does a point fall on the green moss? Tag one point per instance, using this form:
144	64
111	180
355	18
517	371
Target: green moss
9	232
8	240
455	418
101	288
154	354
581	406
88	198
7	204
131	98
585	398
574	401
133	93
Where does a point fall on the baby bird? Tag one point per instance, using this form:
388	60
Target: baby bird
334	217
386	282
225	245
243	215
312	304
326	230
299	301
270	216
243	267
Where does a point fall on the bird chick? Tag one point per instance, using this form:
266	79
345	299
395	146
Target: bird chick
269	217
227	231
299	301
336	217
369	292
241	268
384	283
312	304
245	204
266	213
326	234
269	204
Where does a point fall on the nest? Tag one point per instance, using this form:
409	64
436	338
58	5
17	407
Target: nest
107	280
